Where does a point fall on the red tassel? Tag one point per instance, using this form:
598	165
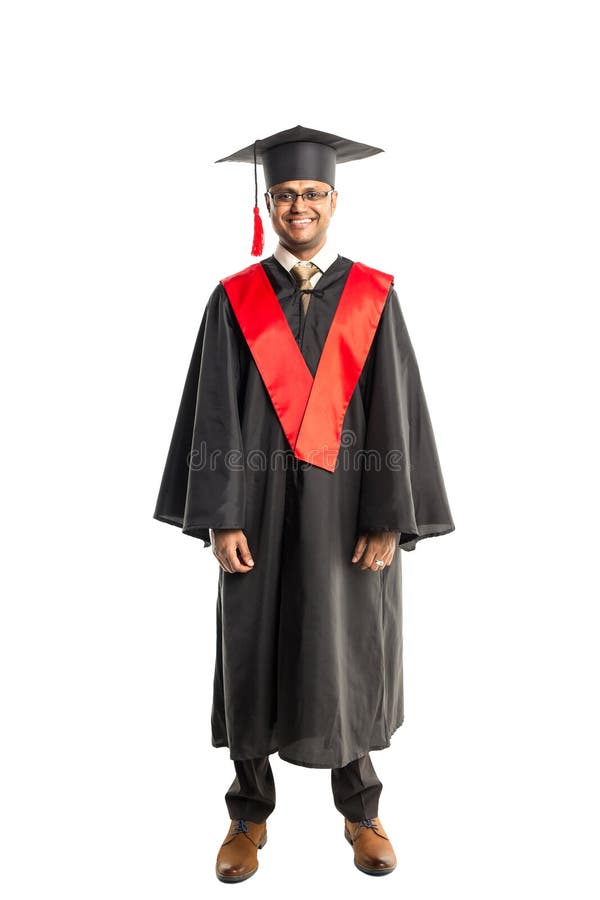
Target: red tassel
258	241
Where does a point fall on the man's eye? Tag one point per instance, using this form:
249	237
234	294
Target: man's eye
284	196
313	195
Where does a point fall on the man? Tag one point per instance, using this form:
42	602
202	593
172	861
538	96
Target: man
303	453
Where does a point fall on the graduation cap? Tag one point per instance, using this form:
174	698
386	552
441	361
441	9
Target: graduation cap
298	154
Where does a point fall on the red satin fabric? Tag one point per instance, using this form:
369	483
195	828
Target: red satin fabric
311	411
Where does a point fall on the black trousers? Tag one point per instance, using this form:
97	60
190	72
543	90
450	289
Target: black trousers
356	789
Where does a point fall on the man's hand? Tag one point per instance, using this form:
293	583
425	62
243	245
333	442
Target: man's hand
230	547
375	545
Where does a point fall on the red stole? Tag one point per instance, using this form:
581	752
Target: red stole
311	411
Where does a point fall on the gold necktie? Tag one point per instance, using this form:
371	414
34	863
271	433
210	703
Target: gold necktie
303	272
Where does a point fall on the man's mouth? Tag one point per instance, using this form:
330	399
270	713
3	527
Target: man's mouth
300	222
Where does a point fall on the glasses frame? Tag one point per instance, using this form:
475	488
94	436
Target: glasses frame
296	195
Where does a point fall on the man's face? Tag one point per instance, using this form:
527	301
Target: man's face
302	225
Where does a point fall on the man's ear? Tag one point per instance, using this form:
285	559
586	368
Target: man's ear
333	201
268	202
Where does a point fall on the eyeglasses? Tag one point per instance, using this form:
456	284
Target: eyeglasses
288	198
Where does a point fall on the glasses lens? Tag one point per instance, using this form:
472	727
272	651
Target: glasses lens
284	197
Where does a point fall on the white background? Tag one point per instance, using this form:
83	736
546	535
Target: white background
115	227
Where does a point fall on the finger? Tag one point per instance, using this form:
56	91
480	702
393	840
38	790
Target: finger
359	547
367	561
368	556
223	562
374	567
223	553
244	551
234	560
386	557
373	552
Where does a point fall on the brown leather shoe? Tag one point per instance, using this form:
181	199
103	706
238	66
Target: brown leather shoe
373	851
237	858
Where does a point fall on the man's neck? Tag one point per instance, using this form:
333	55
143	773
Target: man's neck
303	253
323	258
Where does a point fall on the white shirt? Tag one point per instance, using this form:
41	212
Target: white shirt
323	259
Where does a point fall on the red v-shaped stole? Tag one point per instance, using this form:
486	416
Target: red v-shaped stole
311	411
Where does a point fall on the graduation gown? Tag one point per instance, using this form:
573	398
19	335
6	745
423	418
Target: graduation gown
308	659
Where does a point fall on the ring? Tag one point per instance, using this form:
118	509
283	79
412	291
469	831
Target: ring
379	562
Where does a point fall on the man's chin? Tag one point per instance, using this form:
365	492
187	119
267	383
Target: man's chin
303	240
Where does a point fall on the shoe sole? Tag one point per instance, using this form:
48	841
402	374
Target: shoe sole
364	869
233	879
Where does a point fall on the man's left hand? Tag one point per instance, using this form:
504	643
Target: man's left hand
375	545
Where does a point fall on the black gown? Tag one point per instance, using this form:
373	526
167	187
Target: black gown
308	659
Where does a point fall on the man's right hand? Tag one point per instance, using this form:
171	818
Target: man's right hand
230	547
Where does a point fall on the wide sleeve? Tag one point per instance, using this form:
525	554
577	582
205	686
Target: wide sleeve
402	488
203	483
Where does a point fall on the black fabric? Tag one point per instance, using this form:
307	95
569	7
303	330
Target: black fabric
252	793
356	789
345	149
294	153
308	656
298	161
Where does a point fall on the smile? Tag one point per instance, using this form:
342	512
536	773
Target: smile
300	223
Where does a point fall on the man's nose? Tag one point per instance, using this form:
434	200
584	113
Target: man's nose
298	203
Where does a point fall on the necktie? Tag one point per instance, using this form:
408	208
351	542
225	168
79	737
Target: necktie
303	272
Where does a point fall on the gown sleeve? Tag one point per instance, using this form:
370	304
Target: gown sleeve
203	483
402	488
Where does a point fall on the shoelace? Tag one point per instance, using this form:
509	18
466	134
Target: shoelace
374	826
240	826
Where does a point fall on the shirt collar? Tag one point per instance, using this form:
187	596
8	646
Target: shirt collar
323	259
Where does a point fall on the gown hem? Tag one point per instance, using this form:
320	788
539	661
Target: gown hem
311	765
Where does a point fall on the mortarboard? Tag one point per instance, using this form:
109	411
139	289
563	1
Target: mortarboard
296	154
